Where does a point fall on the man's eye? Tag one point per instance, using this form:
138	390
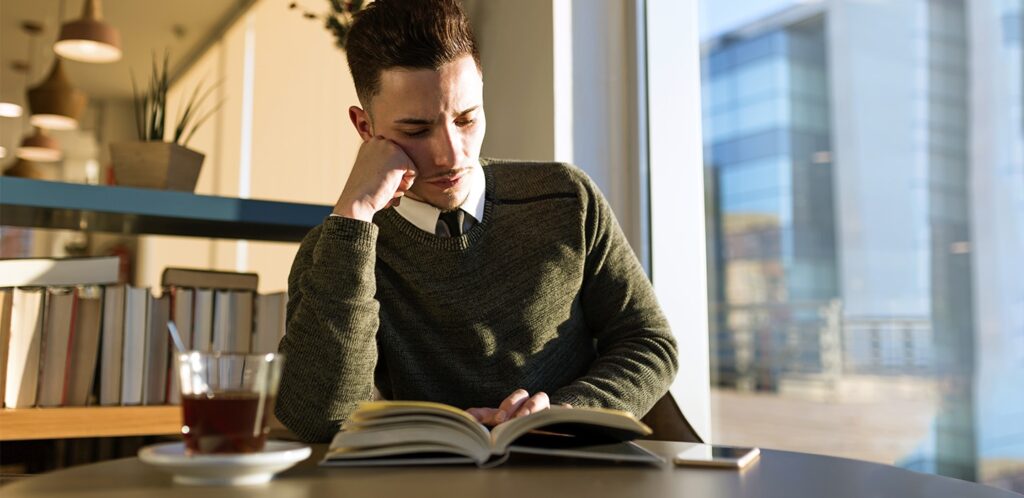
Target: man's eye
419	133
465	122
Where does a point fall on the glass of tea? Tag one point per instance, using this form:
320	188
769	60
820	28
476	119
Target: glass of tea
227	400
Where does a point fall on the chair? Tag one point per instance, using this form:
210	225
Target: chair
668	423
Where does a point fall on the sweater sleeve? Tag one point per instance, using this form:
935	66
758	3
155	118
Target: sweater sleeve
636	352
332	318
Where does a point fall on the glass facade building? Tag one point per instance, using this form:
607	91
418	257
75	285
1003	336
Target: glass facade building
865	199
767	146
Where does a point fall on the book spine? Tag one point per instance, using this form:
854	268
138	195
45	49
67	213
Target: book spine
72	325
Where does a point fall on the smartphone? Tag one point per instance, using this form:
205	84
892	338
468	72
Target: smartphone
704	455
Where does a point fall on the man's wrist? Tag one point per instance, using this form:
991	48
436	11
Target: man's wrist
354	211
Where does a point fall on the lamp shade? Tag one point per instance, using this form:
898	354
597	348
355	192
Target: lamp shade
10	110
39	147
55	104
89	39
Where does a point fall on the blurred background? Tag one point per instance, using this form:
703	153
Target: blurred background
863	170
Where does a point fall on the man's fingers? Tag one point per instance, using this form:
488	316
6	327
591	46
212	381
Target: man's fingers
483	415
511	404
536	403
407	180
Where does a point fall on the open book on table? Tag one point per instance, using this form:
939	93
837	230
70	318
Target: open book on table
425	433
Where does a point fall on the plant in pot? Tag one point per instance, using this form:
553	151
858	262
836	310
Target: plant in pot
151	161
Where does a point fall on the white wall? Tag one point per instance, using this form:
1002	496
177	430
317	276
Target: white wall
581	52
299	145
678	238
515	38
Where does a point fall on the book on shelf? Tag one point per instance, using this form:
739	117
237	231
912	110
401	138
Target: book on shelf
25	343
133	349
154	385
181	313
270	316
232	321
82	344
202	320
59	272
425	433
58	332
112	344
6	305
209	279
84	347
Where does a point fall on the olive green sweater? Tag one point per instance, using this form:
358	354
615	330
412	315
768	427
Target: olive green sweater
543	294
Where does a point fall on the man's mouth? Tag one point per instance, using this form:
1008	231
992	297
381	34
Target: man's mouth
448	181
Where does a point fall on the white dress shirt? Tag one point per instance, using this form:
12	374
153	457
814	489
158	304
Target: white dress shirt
425	216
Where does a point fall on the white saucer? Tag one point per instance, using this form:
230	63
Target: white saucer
224	470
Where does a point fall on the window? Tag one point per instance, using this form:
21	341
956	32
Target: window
865	192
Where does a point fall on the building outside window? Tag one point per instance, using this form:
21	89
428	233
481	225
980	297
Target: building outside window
865	203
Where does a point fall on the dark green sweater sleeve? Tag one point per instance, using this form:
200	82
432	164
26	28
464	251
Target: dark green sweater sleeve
330	346
637	357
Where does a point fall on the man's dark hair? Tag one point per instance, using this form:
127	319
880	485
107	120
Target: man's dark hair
413	34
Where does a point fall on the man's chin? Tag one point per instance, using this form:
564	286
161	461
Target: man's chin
445	201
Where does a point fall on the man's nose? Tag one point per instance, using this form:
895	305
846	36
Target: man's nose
446	147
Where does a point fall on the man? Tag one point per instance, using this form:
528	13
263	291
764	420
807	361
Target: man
501	287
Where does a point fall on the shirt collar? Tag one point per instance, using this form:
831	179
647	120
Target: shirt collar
424	216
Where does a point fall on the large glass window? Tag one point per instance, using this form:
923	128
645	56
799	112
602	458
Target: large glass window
864	164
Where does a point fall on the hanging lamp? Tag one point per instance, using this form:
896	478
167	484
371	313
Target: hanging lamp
89	39
55	103
9	109
39	147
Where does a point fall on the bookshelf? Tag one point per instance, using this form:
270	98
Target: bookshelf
125	210
89	421
44	204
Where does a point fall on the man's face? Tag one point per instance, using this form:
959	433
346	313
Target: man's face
437	118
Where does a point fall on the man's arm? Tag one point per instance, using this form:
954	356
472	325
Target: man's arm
637	357
331	344
330	348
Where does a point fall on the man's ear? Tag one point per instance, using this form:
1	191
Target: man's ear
361	120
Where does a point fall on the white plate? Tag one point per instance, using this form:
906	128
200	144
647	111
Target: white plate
224	470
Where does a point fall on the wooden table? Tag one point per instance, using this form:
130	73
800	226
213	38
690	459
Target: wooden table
775	474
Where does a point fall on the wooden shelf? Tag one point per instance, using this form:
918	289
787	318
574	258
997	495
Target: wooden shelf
44	204
90	421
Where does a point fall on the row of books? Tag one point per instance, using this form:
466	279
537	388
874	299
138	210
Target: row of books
70	335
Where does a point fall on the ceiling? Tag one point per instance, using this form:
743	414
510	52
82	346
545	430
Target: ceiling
184	27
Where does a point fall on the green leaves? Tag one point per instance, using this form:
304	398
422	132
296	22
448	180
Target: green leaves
338	21
151	107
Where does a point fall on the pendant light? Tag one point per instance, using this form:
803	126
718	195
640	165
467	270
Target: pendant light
9	106
55	103
89	39
39	147
9	109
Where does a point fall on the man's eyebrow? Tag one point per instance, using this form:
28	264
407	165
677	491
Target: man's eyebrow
414	121
421	121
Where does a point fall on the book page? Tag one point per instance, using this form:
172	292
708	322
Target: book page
571	427
410	435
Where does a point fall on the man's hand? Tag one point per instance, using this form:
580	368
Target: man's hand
517	404
380	177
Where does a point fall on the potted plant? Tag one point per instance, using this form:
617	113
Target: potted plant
151	161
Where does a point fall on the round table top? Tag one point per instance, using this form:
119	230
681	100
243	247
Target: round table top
775	474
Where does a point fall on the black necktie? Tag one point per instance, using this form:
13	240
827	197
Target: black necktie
453	221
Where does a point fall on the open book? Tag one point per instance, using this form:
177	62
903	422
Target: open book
424	433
